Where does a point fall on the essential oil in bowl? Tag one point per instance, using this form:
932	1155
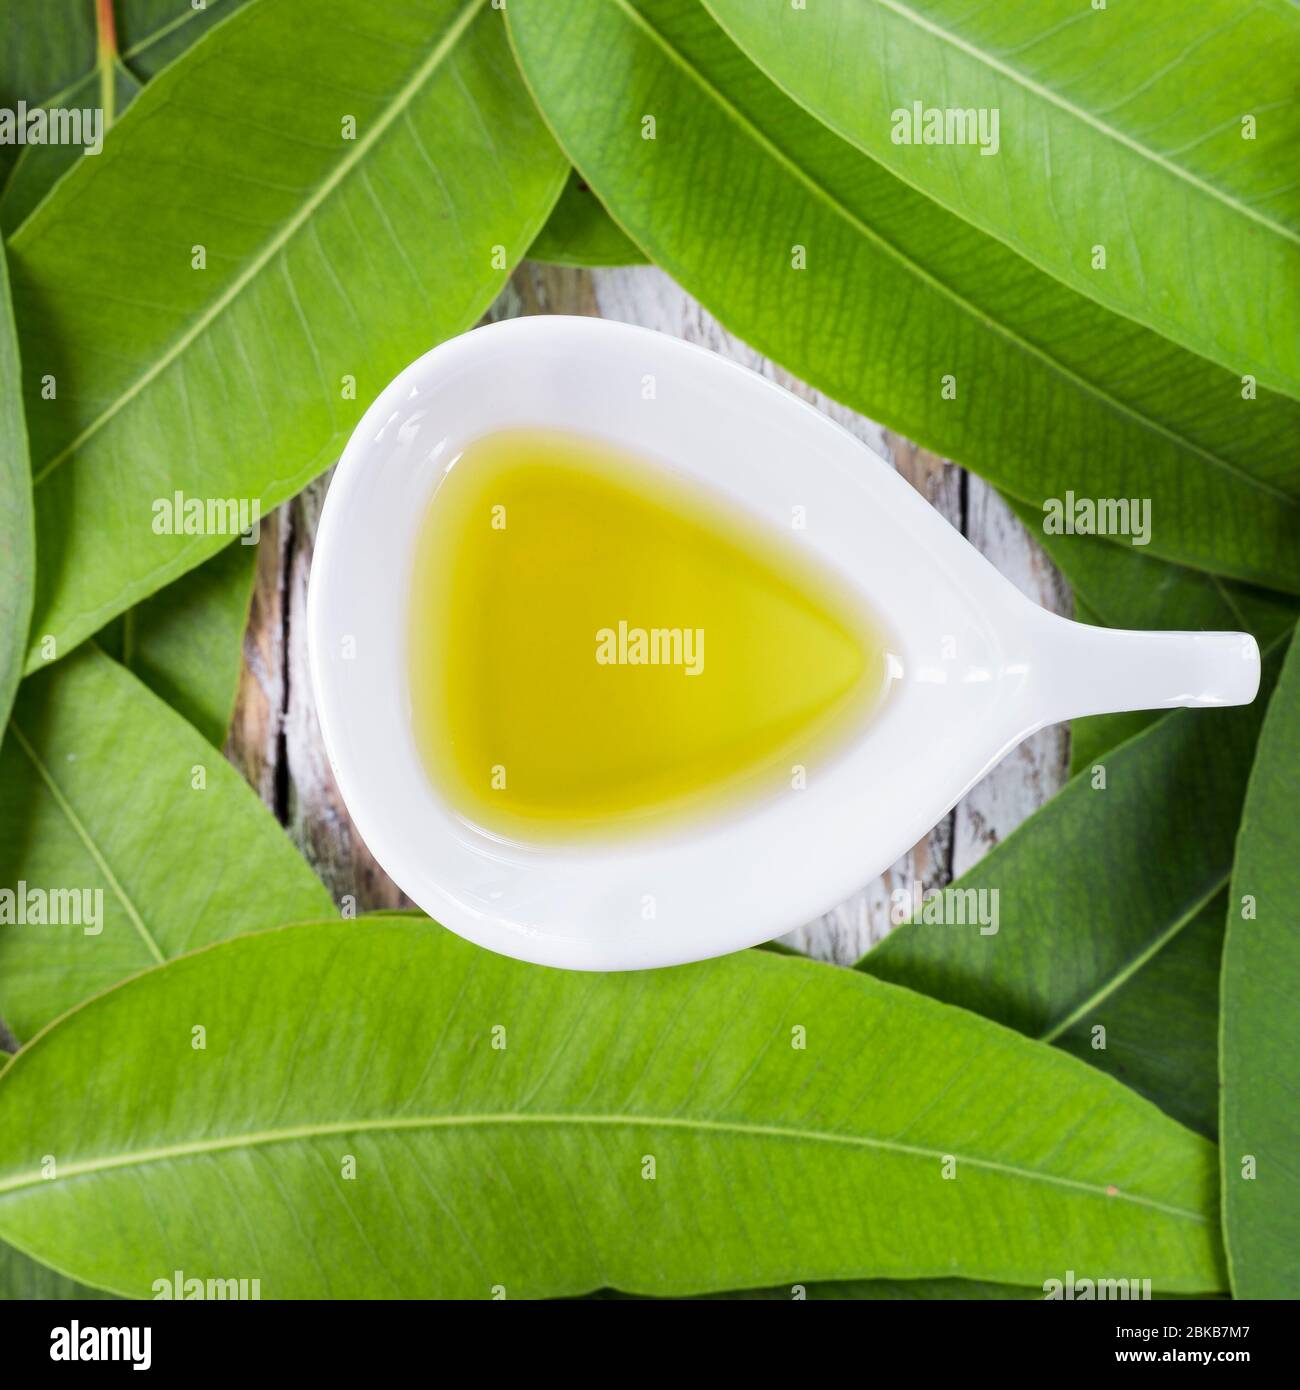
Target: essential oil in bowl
599	647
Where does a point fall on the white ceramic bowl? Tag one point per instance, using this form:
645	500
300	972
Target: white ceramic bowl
981	666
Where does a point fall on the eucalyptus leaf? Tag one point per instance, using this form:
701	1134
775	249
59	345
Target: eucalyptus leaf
52	59
153	33
580	232
482	1124
285	217
867	1291
24	1279
108	790
39	167
44	51
1155	132
1125	587
1092	888
828	263
1260	1040
1161	1025
17	542
186	641
888	1290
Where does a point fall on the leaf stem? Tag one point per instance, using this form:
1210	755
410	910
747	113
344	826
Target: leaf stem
106	33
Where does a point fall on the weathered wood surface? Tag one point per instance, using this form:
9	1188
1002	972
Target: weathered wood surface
275	739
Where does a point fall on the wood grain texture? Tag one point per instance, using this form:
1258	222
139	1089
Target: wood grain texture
253	743
275	739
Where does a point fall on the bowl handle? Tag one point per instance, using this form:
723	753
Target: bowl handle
1097	670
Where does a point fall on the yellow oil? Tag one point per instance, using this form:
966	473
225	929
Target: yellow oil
600	647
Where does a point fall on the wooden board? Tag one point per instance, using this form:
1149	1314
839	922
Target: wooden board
275	739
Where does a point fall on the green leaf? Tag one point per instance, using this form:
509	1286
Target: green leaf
519	1157
1121	127
186	641
330	262
17	543
580	232
1162	1024
890	1290
51	59
1260	1040
185	645
44	51
22	1278
865	1290
1124	587
152	33
1094	886
740	186
39	167
100	794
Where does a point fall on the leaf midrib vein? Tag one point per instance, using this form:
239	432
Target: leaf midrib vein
280	240
1021	79
921	273
1134	964
288	1134
163	31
